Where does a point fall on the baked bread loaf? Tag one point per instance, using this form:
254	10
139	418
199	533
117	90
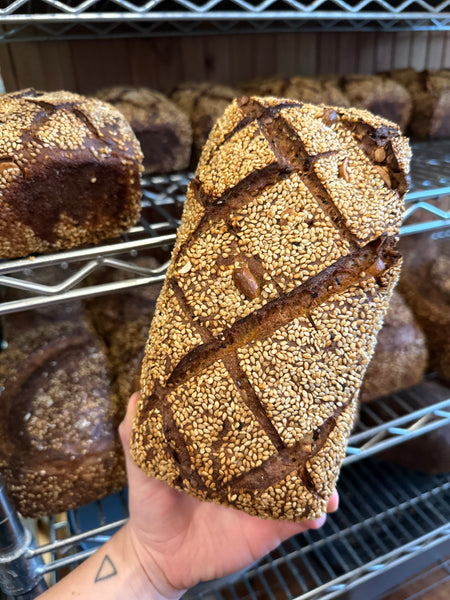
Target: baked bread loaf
163	130
69	172
204	103
382	96
107	313
59	446
280	277
122	321
425	285
315	90
430	93
400	357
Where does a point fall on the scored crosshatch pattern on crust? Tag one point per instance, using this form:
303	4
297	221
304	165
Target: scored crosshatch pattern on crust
317	364
279	244
228	424
250	144
254	374
176	336
213	258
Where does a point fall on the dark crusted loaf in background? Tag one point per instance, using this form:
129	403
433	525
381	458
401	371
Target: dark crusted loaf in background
400	358
59	446
280	277
204	103
163	130
69	172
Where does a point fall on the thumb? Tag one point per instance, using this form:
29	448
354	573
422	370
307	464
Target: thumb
125	430
126	426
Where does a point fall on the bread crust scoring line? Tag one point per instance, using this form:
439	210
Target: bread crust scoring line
372	260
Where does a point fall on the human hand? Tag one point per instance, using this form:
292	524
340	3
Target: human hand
180	541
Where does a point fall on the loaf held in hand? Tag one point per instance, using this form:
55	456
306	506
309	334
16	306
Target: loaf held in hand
280	277
69	172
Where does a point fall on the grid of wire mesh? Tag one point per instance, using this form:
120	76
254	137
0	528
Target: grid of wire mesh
162	205
46	19
387	515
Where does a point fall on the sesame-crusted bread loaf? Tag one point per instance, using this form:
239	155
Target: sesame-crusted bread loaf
163	130
59	446
280	277
425	285
204	103
69	172
400	357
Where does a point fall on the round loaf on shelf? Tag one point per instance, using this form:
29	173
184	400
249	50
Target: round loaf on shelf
430	94
204	103
122	321
163	130
400	357
59	446
382	96
281	275
69	172
316	90
107	313
425	285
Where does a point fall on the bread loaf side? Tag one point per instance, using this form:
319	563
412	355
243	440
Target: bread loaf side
280	277
69	172
163	130
59	446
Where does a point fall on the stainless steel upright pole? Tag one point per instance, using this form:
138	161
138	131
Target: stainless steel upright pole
20	575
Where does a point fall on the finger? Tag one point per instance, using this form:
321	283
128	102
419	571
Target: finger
127	424
125	429
333	502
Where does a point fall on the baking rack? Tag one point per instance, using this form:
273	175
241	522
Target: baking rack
51	19
387	515
162	206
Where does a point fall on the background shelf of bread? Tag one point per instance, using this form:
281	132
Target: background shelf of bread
63	365
84	355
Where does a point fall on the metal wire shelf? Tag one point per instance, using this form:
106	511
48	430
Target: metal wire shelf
378	429
50	19
161	211
387	513
316	565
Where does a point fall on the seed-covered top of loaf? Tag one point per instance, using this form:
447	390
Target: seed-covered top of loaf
69	171
280	277
60	119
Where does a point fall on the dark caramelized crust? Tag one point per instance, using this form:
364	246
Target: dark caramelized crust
69	172
281	274
59	446
400	357
163	130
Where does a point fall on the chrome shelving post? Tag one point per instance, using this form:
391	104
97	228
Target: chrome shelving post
20	574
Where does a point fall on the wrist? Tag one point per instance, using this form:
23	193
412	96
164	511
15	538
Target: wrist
150	578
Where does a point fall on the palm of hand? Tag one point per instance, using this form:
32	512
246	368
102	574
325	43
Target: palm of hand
182	541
